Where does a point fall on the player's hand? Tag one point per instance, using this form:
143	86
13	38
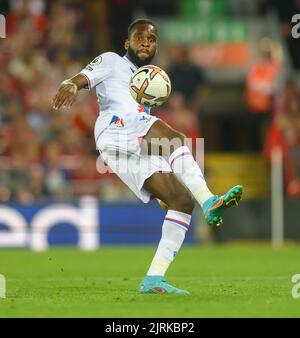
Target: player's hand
66	95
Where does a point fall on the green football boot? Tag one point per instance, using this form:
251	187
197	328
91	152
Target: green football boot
157	285
215	206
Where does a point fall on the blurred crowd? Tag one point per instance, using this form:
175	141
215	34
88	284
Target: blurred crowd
41	150
45	154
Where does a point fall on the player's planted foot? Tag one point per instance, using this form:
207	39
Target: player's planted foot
158	285
215	206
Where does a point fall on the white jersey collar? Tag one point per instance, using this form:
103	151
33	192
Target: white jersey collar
130	62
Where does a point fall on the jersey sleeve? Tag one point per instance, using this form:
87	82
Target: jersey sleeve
99	69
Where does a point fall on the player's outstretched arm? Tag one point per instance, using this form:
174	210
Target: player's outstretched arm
68	90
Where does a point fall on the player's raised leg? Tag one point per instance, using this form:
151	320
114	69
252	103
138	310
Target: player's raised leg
171	191
188	171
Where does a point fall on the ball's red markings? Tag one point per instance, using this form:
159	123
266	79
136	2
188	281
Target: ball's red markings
141	92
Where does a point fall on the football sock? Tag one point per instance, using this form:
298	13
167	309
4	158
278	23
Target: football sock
174	228
188	171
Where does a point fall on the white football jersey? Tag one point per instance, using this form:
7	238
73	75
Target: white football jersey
110	74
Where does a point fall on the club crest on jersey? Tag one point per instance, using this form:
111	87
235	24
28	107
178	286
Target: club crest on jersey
97	60
117	121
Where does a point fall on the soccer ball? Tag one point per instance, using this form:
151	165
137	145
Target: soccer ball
150	86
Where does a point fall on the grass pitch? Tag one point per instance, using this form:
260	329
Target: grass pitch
225	281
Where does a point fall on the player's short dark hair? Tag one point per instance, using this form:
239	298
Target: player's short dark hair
141	21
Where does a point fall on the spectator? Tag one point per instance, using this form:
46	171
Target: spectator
186	78
26	13
285	134
56	177
262	82
18	176
86	178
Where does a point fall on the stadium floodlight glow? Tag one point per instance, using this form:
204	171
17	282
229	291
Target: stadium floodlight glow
2	27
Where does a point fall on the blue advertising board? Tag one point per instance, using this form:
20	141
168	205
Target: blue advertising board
87	223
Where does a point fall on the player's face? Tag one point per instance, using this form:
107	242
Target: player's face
142	44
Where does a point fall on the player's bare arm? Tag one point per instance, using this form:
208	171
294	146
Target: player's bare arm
68	90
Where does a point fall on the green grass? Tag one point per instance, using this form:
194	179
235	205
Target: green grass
225	281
